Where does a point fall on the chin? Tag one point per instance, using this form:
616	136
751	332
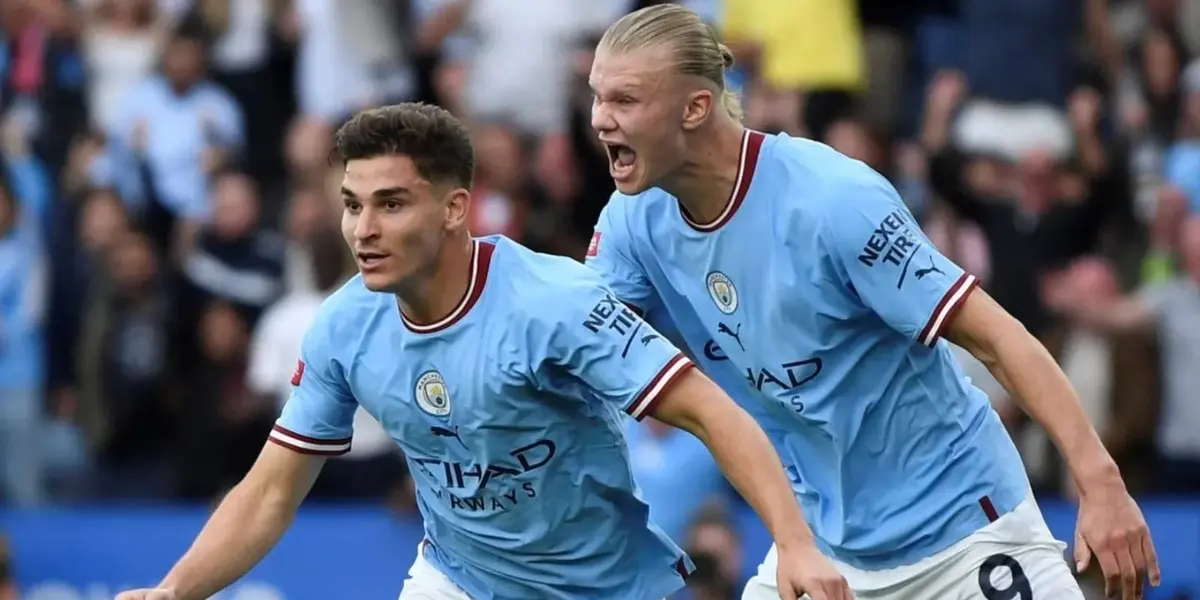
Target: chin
632	186
378	282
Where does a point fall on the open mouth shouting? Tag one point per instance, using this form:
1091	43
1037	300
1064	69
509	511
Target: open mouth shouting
622	161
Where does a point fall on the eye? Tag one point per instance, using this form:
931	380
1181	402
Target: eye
392	205
352	205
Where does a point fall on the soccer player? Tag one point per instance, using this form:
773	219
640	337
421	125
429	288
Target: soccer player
502	374
803	286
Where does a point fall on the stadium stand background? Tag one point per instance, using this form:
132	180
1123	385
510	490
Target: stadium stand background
168	225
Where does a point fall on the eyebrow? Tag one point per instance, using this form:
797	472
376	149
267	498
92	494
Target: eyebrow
387	192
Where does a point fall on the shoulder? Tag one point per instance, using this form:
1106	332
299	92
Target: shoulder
530	275
537	287
823	189
828	179
343	316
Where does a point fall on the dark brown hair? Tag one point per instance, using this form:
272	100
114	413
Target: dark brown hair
435	140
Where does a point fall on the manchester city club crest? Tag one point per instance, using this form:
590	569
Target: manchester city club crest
723	293
432	395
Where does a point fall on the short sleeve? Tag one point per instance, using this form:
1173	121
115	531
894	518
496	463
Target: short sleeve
318	418
610	254
590	337
887	263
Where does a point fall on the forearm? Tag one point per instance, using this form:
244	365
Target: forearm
246	525
749	461
1031	376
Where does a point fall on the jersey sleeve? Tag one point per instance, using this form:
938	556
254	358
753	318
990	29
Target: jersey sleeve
589	337
887	263
318	417
610	254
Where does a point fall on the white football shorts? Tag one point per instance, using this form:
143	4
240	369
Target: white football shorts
1013	558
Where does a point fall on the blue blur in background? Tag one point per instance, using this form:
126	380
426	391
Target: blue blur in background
361	552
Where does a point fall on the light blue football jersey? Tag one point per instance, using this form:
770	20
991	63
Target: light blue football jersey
816	301
509	412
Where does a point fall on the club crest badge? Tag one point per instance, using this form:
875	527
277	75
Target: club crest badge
432	395
724	295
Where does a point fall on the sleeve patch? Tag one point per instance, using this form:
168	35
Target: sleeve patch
298	374
594	245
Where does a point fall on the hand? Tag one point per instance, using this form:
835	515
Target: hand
947	89
1084	109
1111	528
148	594
804	570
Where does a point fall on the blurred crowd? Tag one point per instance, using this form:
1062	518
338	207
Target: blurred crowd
169	217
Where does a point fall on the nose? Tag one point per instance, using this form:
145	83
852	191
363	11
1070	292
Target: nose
602	120
366	226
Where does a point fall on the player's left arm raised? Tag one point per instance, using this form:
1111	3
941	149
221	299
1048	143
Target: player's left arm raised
622	361
883	257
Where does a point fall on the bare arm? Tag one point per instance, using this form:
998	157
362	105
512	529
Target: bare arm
1124	314
1027	371
695	404
246	525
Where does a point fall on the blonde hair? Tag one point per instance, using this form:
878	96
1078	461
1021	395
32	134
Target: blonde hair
695	46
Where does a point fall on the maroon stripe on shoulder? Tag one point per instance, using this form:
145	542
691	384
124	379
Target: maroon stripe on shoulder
747	164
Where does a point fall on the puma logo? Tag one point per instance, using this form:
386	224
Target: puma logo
932	268
447	433
735	334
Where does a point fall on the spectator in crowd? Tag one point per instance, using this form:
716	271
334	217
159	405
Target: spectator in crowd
349	56
122	41
1173	308
223	421
22	304
125	392
42	84
172	131
166	172
1179	194
232	258
372	468
243	49
714	545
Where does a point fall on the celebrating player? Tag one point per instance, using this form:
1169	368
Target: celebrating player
804	287
502	373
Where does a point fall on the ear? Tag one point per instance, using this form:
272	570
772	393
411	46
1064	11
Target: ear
458	206
696	109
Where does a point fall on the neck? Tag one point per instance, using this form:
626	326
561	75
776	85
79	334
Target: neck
704	183
433	297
